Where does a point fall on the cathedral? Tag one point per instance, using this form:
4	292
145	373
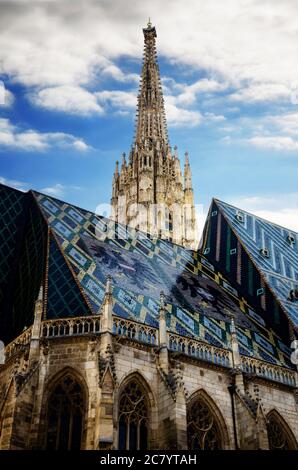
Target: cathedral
122	333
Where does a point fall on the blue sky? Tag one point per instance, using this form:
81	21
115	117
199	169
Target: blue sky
229	71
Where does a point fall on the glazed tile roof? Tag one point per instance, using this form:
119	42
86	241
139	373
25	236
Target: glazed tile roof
198	297
280	265
75	249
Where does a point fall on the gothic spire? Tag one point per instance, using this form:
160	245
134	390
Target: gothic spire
151	129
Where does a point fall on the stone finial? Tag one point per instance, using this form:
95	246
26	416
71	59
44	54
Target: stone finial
109	284
186	158
107	307
231	316
123	166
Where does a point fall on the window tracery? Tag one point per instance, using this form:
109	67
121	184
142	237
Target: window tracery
133	418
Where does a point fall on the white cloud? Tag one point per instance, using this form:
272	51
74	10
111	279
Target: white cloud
71	99
287	122
281	143
259	92
177	116
56	190
118	99
116	73
30	140
214	117
189	93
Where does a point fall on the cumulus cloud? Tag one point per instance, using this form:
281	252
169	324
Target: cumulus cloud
260	92
66	98
30	140
287	122
274	142
178	116
118	99
214	117
188	93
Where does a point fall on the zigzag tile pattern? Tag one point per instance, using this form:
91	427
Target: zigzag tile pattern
280	268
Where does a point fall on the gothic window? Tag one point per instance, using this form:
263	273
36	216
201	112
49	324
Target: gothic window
65	415
133	418
279	438
202	428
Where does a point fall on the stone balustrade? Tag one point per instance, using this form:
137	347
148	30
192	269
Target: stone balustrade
149	335
136	331
71	326
200	350
268	371
21	341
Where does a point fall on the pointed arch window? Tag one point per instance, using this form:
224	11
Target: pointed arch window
279	436
133	418
202	428
65	415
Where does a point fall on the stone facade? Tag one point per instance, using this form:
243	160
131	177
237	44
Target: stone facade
105	354
150	193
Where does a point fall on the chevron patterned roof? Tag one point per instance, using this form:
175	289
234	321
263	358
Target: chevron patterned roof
279	264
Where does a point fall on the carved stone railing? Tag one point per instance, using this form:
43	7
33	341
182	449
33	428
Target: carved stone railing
135	331
70	326
268	371
22	340
200	350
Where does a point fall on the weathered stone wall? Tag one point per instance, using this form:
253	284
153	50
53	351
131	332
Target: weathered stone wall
103	366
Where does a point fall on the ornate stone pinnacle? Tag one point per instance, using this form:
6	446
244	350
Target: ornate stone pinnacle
109	284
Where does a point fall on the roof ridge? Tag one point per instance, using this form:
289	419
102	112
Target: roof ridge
254	215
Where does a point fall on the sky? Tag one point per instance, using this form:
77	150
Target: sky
69	72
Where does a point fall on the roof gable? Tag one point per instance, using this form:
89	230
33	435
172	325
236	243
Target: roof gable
271	252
